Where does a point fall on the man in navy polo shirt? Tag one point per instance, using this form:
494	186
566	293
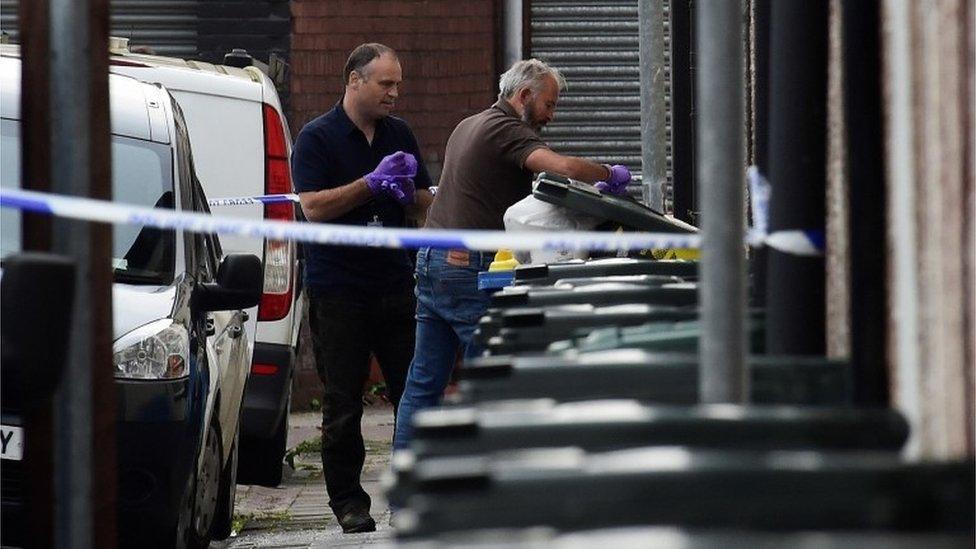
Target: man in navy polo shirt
358	165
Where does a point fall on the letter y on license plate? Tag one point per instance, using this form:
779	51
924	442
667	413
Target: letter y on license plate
12	440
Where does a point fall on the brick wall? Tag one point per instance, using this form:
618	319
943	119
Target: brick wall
447	49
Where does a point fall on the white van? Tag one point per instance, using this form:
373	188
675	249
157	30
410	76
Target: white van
181	354
242	147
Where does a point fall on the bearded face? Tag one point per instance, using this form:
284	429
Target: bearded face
530	115
539	108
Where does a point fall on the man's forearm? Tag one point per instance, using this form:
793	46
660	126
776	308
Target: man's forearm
328	204
545	160
422	201
588	171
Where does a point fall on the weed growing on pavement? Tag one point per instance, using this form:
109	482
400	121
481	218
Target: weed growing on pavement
269	520
239	522
308	446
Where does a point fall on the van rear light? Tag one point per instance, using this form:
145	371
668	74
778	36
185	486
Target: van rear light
264	369
279	255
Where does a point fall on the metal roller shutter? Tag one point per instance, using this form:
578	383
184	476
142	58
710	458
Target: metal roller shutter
8	19
595	44
169	27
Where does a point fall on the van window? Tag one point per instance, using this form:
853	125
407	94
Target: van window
142	174
9	179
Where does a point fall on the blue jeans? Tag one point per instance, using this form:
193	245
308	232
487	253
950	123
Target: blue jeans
449	305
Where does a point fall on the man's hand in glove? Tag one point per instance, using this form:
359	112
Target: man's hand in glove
394	176
397	165
402	189
616	184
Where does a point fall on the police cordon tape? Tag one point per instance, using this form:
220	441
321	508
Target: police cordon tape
248	200
87	209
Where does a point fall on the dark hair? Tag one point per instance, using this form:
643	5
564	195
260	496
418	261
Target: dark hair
361	56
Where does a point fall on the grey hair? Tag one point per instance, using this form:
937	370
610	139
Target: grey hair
528	73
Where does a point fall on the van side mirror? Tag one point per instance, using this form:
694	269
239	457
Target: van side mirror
240	281
36	300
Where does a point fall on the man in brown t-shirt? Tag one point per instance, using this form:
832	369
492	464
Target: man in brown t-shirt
488	166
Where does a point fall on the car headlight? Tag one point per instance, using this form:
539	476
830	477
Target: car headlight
158	350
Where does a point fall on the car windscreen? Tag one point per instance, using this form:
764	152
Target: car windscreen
142	175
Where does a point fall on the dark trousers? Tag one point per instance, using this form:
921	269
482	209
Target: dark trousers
346	327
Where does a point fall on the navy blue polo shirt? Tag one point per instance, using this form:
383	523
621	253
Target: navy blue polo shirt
331	152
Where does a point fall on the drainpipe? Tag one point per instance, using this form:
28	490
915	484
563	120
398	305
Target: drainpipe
512	48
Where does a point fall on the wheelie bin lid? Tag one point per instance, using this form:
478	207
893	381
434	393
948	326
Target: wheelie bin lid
584	198
547	274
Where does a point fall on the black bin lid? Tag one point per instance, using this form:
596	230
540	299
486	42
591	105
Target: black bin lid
584	198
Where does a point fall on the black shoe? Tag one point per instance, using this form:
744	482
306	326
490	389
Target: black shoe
356	521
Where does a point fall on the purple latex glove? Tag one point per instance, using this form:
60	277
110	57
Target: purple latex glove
616	184
402	189
411	164
398	164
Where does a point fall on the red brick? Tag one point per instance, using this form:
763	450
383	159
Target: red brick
447	49
311	8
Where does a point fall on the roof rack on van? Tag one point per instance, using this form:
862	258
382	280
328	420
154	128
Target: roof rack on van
118	45
238	57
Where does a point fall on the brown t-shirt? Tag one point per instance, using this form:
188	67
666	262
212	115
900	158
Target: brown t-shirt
484	170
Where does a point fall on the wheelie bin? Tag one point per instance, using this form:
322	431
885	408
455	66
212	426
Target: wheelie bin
568	489
533	329
603	425
661	377
664	537
604	293
550	273
596	426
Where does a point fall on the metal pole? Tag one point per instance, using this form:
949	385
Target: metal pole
80	149
759	257
35	164
684	55
795	285
867	199
721	165
653	110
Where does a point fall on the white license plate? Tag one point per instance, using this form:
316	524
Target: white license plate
12	439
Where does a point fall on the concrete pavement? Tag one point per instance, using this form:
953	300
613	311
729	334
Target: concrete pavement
296	514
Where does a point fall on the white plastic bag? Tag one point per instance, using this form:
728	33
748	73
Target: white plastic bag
532	214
